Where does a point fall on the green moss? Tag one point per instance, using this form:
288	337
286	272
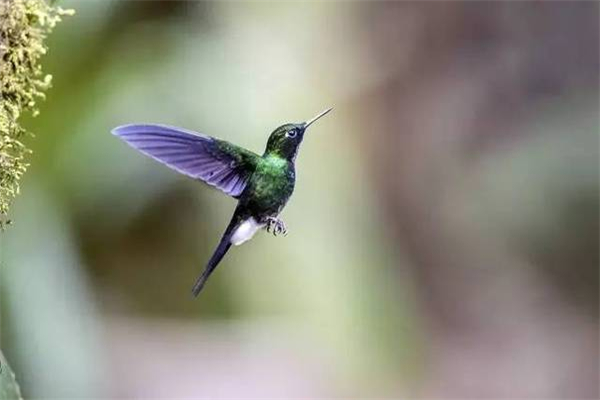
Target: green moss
24	26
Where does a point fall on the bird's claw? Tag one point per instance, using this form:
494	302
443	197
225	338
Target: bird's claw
276	226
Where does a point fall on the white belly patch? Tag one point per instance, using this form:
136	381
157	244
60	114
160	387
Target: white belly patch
245	231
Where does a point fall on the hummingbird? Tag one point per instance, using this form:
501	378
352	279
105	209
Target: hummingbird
261	184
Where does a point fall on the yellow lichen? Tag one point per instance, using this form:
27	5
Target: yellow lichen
24	26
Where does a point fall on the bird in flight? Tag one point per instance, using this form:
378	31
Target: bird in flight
261	184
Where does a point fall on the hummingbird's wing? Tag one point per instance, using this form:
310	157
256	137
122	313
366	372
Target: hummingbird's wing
216	162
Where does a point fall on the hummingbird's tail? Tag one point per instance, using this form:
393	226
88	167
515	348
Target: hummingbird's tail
221	250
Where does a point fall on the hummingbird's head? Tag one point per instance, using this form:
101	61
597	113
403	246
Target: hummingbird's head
285	140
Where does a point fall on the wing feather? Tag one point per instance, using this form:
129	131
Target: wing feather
216	162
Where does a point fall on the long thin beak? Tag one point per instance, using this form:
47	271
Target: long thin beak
307	124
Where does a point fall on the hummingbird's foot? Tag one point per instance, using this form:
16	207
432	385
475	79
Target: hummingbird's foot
276	226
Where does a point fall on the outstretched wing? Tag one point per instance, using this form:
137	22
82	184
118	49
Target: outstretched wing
216	162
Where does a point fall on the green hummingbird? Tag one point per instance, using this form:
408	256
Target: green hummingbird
262	184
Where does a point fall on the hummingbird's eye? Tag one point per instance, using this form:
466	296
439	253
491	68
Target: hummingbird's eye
291	134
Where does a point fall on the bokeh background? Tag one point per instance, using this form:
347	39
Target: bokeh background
443	233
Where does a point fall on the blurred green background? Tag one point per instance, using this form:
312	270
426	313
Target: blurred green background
443	232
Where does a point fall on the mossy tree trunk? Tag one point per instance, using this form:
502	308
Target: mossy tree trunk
24	27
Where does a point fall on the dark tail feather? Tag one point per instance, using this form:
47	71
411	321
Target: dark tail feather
217	256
